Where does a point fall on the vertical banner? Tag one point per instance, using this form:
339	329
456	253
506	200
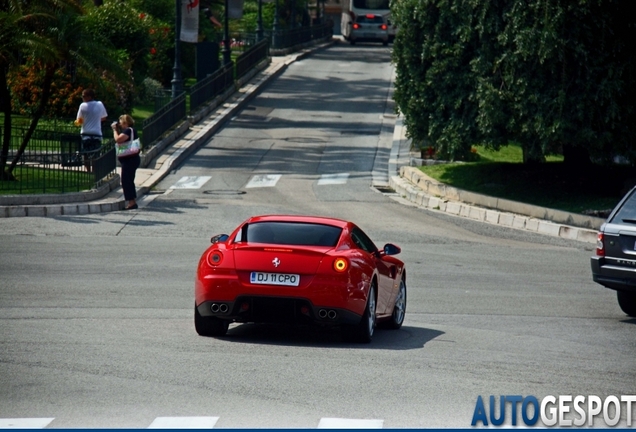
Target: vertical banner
235	10
190	21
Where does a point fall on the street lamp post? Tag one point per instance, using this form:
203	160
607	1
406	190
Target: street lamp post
177	83
275	27
227	58
259	22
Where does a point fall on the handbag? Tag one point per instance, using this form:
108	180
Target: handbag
128	148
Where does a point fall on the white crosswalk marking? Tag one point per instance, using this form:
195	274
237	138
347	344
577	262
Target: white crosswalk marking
24	423
190	182
200	422
343	423
183	423
331	179
263	180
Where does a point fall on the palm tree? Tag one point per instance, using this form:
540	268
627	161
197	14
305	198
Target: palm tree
16	20
52	32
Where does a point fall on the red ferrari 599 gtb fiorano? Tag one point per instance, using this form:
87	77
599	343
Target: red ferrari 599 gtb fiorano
303	270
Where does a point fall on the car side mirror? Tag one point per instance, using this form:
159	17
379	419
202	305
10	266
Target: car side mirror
219	238
391	249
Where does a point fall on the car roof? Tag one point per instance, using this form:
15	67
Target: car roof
299	218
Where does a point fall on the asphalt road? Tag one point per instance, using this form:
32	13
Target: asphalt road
96	323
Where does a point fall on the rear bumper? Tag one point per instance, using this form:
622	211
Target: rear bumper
375	38
616	278
261	309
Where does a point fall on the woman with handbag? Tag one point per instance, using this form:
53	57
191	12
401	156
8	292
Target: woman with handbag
127	147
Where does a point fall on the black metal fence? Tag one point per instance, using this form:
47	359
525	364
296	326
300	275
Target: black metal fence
164	119
288	38
250	58
211	86
58	162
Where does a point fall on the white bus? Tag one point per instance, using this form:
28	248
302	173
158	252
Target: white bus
352	8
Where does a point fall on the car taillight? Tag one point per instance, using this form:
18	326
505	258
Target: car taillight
370	16
356	26
340	265
215	258
600	245
383	26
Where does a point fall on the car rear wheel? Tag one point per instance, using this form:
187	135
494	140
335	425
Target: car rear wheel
627	302
209	326
399	309
363	332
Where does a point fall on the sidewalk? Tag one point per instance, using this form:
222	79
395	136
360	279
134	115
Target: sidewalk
407	181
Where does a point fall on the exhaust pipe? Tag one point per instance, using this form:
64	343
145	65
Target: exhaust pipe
332	314
322	313
223	308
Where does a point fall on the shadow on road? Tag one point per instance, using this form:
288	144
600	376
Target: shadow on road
287	335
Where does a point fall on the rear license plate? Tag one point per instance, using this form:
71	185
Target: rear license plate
274	279
369	35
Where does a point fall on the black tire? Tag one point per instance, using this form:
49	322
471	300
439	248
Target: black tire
399	309
363	332
209	326
385	43
627	302
352	41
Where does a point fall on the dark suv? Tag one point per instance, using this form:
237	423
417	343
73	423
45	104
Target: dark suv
614	265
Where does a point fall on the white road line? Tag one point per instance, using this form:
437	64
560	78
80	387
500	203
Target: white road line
183	423
263	180
191	182
342	423
25	423
331	179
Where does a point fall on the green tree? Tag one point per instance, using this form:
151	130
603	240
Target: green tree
554	76
562	75
434	89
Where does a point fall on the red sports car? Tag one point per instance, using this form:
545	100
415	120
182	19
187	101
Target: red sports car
299	269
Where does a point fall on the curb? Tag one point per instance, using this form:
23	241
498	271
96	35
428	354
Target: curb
413	192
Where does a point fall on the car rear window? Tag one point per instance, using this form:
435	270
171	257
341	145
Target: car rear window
292	233
376	19
627	210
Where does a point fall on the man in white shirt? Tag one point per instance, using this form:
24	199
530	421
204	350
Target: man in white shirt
90	116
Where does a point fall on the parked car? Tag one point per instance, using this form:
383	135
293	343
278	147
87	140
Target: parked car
369	28
299	270
614	264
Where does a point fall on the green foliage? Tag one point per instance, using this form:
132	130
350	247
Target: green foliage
434	84
161	10
127	30
551	75
26	81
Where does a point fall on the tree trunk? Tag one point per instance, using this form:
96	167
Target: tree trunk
532	154
46	95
